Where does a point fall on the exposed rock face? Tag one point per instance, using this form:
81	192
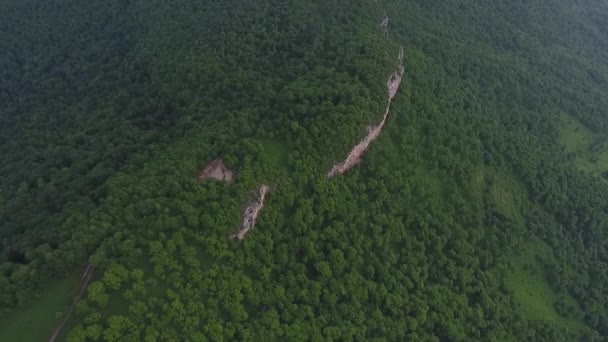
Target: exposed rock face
354	157
384	23
217	170
251	214
394	81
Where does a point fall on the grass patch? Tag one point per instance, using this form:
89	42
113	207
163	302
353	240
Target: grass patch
532	290
433	182
36	321
505	193
398	149
574	135
589	150
275	152
502	191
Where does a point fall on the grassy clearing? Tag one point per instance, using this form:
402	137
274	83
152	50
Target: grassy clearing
532	290
506	193
275	152
36	321
590	149
478	178
433	182
398	148
574	135
503	191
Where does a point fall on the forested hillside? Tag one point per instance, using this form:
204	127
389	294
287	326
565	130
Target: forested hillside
477	212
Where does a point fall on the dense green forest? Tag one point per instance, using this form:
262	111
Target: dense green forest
480	212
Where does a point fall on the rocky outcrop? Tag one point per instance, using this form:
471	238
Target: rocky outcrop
384	24
394	81
218	171
251	214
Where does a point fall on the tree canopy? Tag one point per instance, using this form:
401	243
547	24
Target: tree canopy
478	214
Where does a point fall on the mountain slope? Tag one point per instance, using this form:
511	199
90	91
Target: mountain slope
465	220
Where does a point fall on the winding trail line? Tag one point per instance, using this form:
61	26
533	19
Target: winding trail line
85	279
373	132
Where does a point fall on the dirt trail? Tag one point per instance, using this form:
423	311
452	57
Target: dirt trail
217	170
84	283
251	214
373	132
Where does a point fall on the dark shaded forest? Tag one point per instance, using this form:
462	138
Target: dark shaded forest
467	219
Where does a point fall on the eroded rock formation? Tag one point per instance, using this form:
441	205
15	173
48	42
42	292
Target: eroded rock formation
354	157
217	170
394	81
384	23
251	214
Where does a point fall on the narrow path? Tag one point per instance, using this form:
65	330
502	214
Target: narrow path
355	155
84	283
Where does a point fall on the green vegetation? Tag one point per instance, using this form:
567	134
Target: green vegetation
36	321
468	219
587	149
505	193
528	281
275	152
